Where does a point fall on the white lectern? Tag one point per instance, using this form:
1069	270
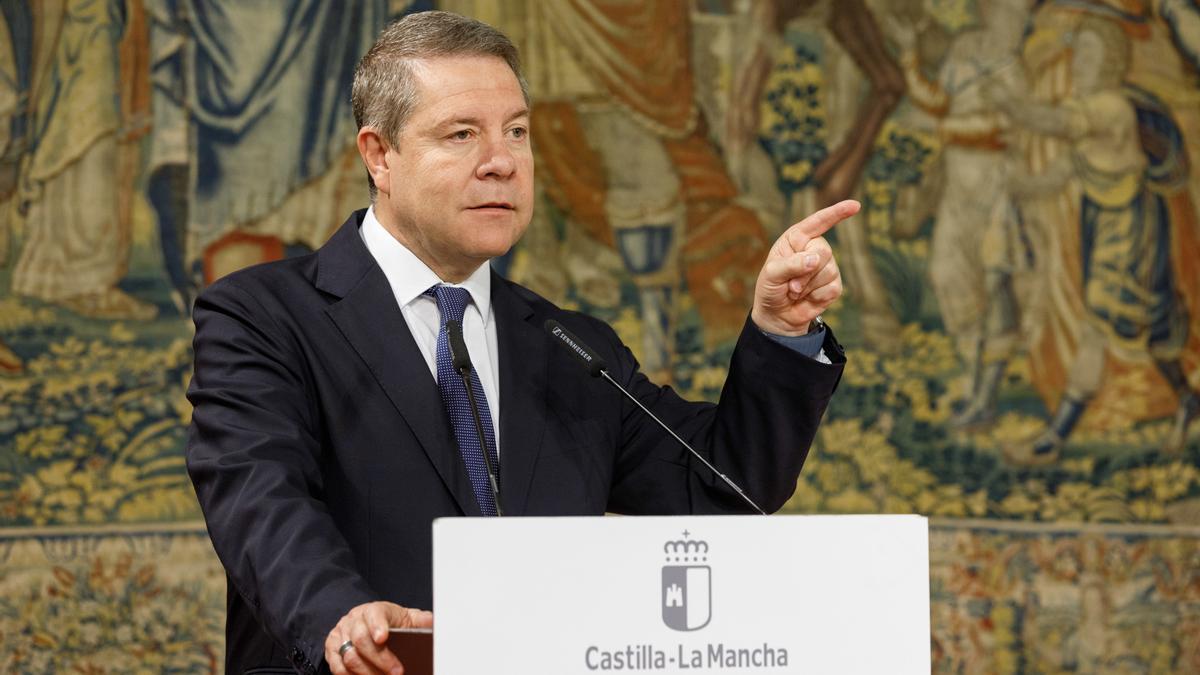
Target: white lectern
698	594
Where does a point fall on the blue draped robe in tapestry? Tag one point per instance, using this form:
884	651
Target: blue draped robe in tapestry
267	84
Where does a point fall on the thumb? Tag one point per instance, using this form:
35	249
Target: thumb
405	617
421	618
395	616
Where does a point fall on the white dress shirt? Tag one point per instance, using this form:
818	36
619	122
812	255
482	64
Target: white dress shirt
409	278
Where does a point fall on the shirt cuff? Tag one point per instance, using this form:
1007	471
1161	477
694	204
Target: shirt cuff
809	344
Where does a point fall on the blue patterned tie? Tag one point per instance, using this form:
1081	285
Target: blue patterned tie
452	302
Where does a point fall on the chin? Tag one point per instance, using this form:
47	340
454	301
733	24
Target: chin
502	242
482	249
497	251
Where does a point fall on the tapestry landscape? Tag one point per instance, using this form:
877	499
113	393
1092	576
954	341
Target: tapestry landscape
1022	317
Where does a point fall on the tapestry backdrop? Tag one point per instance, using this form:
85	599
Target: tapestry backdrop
1023	285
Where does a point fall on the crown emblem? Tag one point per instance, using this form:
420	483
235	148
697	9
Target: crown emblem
686	550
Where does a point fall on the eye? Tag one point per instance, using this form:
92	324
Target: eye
461	135
519	132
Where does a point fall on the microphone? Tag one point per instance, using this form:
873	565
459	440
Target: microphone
461	361
595	364
459	357
597	368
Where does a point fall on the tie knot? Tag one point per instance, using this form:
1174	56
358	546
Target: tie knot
451	301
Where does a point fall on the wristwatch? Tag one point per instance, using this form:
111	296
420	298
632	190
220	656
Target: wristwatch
816	324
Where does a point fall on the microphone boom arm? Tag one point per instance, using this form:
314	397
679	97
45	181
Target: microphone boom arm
461	361
730	483
598	368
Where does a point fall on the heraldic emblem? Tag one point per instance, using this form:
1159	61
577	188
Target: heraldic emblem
686	584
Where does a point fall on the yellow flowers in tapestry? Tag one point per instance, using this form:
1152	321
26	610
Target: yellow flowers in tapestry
792	124
93	434
866	464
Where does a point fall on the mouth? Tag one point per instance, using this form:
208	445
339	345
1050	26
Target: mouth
492	206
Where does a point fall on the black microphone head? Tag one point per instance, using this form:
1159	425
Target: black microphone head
458	347
594	363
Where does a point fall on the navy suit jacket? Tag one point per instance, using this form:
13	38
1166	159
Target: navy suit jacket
321	452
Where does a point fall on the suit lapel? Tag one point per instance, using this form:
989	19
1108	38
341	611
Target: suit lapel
524	360
369	319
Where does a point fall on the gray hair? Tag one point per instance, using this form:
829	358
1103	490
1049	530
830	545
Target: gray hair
385	91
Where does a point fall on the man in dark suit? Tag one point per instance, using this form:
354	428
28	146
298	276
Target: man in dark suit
327	433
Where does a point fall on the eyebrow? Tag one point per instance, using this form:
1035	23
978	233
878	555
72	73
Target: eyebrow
475	121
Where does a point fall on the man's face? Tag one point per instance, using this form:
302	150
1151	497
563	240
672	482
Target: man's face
460	188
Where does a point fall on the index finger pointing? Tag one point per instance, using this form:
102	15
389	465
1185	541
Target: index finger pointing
820	222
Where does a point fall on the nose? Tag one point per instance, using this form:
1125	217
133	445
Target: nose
496	159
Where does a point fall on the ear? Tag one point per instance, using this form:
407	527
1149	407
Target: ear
373	150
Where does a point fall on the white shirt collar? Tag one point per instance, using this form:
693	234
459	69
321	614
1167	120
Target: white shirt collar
410	277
